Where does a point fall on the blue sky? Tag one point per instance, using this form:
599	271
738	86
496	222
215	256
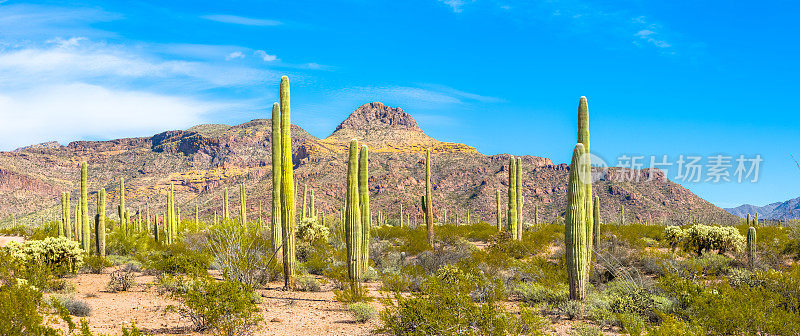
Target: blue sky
662	77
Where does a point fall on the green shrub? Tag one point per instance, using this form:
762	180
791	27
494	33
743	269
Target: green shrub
582	329
243	255
699	238
535	293
223	307
353	293
307	283
362	311
95	263
60	254
121	280
19	304
176	259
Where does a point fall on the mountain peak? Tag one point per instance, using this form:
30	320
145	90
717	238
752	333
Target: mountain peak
376	115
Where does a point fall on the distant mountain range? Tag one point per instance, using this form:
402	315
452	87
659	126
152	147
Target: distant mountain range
777	210
204	159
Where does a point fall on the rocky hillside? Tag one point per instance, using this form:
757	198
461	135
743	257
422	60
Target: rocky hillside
774	211
204	159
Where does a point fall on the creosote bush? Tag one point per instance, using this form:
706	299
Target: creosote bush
222	307
362	311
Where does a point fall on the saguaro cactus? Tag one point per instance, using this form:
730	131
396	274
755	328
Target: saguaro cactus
65	221
401	215
751	247
583	138
121	211
226	214
277	237
305	201
288	205
511	212
100	225
575	228
520	199
86	233
428	196
499	212
363	199
596	221
352	224
242	206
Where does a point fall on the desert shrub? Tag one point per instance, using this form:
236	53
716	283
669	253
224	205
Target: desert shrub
572	309
535	293
76	307
60	254
582	329
95	264
475	232
699	238
634	235
352	293
310	230
242	254
121	280
20	306
408	279
445	254
674	236
121	243
32	232
176	258
308	283
362	311
222	307
445	307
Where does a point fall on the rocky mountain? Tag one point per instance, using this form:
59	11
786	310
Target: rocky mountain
775	211
204	159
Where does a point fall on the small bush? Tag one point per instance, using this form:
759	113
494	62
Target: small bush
308	283
582	329
362	311
60	254
223	307
699	238
176	259
77	307
95	264
242	254
534	293
121	280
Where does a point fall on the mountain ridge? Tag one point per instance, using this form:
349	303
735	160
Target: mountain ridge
774	211
203	159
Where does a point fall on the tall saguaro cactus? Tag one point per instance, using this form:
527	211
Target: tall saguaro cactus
520	199
242	206
575	228
596	221
305	202
65	212
226	214
583	138
288	205
100	225
86	233
428	196
363	202
277	237
499	212
352	224
121	210
401	214
512	198
751	247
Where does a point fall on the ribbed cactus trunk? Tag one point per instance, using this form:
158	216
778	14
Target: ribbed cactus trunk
499	213
78	223
520	199
64	230
100	225
352	224
226	214
147	216
596	221
583	138
169	218
622	215
156	235
305	201
196	214
242	206
575	229
363	203
511	212
288	205
312	207
428	196
755	220
751	247
121	211
401	215
277	237
86	232
535	214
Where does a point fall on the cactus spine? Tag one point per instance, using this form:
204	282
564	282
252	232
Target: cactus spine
428	196
85	231
751	247
100	225
242	206
596	221
363	202
288	205
512	198
352	225
575	228
583	138
499	211
277	237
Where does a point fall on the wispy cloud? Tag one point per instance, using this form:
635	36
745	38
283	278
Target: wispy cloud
234	55
266	57
241	20
427	96
456	5
649	33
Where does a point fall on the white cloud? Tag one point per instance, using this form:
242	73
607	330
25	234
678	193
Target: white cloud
456	5
266	57
79	111
234	55
241	20
648	33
